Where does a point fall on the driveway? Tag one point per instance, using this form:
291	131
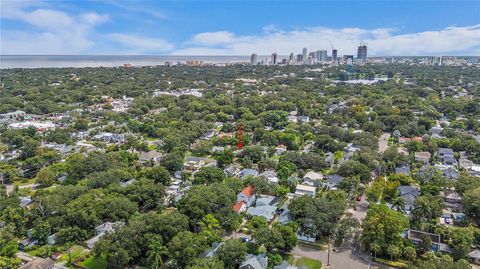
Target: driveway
383	142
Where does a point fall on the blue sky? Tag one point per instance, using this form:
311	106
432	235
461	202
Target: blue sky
239	27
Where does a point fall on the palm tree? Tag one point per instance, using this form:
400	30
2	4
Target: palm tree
375	248
156	254
422	208
398	204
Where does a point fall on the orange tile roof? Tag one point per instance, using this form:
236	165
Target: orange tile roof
248	191
238	206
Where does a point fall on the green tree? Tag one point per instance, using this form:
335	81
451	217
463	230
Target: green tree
471	201
383	226
232	253
158	174
156	254
209	175
41	231
206	263
410	253
185	247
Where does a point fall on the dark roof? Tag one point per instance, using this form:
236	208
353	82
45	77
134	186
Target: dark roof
415	234
334	179
444	151
38	263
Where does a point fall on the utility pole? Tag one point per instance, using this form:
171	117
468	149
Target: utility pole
328	253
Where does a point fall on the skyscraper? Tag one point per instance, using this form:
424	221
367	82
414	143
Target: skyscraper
299	58
253	59
334	55
321	55
304	54
290	59
274	58
362	53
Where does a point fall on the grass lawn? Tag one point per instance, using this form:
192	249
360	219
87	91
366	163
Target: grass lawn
309	263
25	181
152	147
399	263
93	262
319	245
75	251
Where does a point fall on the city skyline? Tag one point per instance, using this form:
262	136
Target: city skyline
395	28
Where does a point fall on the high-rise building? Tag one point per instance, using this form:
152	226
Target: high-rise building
334	55
254	59
304	54
290	59
299	58
362	53
321	55
274	58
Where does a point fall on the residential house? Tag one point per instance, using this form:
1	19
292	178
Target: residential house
408	194
101	230
452	200
292	118
240	207
416	238
312	178
208	135
305	190
192	163
280	149
217	149
266	211
247	172
423	156
212	252
113	138
474	256
333	181
436	132
284	217
39	263
446	156
349	150
52	239
247	195
231	170
448	171
403	140
403	170
270	175
15	115
304	235
255	262
25	201
150	157
303	119
126	183
474	170
330	159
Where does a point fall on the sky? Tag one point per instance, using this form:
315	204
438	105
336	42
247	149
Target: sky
148	27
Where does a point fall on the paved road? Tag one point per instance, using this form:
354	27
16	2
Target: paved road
383	142
25	256
347	259
9	188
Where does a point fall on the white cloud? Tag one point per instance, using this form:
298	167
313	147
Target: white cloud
381	41
49	31
141	44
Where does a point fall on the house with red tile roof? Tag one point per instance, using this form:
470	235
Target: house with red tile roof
240	207
247	195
